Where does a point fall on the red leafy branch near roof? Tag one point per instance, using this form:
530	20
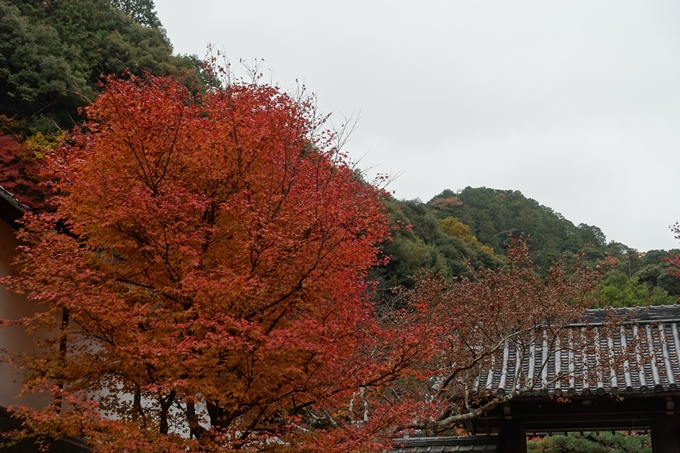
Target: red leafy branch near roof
675	259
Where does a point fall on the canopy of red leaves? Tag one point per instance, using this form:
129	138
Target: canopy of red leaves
211	254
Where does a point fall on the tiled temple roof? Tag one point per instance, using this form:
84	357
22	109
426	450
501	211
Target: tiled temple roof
472	444
646	342
649	338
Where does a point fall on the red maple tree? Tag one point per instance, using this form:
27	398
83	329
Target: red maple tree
210	253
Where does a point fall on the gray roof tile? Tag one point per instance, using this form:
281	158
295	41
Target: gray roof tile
649	337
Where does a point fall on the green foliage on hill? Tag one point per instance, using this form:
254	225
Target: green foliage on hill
39	77
654	271
419	244
619	290
493	215
53	55
141	11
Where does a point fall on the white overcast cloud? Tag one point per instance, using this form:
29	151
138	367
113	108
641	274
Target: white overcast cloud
574	103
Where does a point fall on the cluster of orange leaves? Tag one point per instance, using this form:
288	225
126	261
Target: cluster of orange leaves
20	173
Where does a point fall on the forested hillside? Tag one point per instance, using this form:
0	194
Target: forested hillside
55	54
55	57
492	216
420	244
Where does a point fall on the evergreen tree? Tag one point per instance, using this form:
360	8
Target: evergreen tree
618	442
55	54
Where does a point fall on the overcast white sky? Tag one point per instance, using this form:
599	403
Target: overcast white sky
574	103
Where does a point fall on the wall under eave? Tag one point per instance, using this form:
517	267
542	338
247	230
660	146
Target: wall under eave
14	306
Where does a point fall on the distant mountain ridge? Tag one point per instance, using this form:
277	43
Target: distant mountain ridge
474	226
493	215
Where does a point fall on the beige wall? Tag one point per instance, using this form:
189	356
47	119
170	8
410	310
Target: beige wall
13	306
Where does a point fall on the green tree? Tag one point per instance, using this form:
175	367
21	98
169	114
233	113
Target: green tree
81	24
617	290
591	443
630	260
592	235
141	11
38	78
54	54
137	49
655	271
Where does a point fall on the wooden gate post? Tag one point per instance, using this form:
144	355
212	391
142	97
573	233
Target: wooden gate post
666	434
512	437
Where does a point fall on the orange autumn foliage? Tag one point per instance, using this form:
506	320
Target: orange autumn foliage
211	254
20	173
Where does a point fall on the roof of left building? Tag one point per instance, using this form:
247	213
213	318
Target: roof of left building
472	444
11	209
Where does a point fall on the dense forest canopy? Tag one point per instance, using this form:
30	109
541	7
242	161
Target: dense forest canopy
493	216
55	54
